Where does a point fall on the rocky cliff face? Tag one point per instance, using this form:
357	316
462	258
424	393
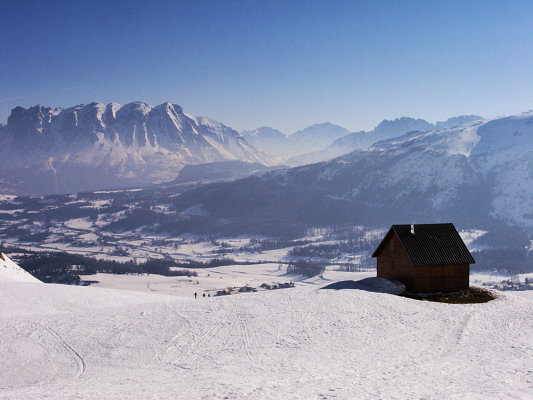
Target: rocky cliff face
98	146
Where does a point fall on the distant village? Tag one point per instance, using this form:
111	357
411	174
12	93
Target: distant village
511	284
247	289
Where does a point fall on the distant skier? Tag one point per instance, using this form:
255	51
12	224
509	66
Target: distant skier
196	294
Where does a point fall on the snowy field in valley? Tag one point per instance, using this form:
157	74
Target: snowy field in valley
62	342
211	280
143	248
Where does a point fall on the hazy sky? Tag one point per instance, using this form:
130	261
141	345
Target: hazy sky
285	64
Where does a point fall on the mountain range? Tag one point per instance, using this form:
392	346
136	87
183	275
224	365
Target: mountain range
384	130
478	174
98	146
312	138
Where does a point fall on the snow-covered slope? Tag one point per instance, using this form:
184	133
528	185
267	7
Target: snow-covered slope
494	153
11	272
478	174
63	342
218	171
103	146
385	130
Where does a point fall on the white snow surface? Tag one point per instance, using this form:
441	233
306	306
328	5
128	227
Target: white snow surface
7	197
64	342
11	272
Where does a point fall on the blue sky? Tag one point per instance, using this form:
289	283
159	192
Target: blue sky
284	64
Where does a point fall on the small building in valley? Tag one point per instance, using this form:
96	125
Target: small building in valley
426	258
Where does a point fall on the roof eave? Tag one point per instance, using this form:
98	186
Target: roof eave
403	246
381	244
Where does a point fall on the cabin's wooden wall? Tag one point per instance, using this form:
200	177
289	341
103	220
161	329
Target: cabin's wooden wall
393	263
441	278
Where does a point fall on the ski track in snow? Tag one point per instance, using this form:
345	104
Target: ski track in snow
300	343
79	359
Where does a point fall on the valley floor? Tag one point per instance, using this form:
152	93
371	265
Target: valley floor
61	342
211	280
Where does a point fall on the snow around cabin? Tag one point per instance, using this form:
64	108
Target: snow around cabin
64	342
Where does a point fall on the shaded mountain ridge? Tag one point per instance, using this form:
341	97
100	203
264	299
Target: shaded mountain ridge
98	146
476	174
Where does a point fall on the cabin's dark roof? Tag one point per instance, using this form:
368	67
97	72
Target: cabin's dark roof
431	244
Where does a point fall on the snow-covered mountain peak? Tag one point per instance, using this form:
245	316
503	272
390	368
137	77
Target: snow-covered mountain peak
210	122
322	129
500	134
456	121
137	110
169	108
482	137
452	141
133	144
30	120
319	126
401	125
492	157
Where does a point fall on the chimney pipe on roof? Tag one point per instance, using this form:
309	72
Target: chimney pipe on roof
412	229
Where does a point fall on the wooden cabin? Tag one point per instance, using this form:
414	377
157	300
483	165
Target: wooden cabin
426	258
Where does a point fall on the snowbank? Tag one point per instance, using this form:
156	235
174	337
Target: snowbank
63	342
373	284
11	272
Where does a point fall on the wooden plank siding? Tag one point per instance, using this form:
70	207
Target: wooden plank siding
393	263
440	278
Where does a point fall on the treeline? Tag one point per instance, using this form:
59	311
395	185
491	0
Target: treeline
66	268
365	264
216	262
60	267
259	245
331	251
305	268
505	261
